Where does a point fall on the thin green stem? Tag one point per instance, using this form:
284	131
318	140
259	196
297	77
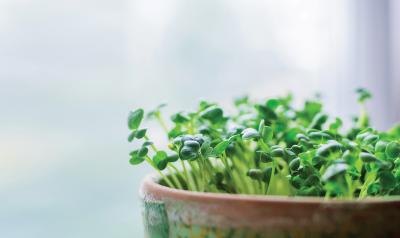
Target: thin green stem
370	177
200	162
271	180
174	178
263	146
178	173
162	122
166	179
228	169
194	174
189	181
349	183
152	145
241	169
191	128
327	195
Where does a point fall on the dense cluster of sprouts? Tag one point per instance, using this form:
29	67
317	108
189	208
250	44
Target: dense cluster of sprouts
272	148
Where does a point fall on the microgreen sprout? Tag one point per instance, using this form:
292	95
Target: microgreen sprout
271	148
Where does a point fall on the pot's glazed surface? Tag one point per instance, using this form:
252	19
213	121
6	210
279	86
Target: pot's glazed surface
176	213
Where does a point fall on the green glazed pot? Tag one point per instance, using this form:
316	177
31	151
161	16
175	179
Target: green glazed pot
176	213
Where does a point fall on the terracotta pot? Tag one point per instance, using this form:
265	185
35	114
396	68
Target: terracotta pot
176	213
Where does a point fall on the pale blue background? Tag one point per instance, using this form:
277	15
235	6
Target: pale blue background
71	70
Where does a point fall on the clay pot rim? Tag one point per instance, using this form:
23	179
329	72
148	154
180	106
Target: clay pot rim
151	187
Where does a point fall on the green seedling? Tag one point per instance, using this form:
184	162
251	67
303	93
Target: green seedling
271	148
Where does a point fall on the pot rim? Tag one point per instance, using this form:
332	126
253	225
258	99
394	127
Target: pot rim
151	187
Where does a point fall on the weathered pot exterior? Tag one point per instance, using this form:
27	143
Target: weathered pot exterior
175	213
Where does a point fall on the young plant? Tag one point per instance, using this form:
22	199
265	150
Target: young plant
272	148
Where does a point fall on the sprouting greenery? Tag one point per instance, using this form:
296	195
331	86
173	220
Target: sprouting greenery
272	148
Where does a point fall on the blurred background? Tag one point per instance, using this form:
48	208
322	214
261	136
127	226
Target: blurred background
71	70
